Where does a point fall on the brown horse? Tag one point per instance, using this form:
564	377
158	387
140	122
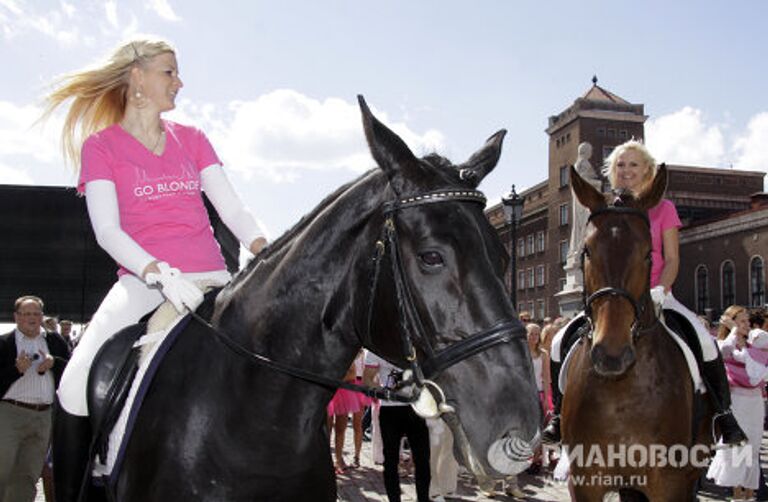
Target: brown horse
628	410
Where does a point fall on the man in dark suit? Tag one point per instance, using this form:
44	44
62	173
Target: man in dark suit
31	364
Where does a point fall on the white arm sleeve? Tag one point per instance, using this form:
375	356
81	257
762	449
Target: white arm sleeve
229	206
101	199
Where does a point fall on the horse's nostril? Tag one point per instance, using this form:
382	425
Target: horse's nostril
608	365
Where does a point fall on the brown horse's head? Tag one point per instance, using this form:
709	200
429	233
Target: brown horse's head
617	262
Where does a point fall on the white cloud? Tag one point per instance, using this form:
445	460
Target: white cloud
684	137
110	12
72	25
281	133
56	23
751	148
12	176
21	138
163	9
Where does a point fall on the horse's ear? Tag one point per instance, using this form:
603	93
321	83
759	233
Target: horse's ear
482	161
388	150
653	195
589	196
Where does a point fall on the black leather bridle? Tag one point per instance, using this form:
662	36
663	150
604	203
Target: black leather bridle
611	291
411	326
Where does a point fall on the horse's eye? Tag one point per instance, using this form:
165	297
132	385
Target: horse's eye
432	259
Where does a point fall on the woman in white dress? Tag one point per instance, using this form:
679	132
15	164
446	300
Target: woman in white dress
739	467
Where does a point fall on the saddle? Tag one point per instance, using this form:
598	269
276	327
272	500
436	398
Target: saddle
677	327
112	374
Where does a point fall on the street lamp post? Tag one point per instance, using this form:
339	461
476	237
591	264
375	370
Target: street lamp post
513	212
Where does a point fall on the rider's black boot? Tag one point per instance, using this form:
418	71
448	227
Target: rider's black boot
71	443
551	433
730	431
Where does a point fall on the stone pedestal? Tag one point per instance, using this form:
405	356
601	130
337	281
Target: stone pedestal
570	298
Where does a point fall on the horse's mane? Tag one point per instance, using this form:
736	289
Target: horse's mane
297	228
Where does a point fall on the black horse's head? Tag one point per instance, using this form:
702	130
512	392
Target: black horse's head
617	266
441	306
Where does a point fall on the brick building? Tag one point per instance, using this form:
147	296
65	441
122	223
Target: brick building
605	120
723	261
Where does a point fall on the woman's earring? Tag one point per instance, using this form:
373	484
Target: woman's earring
141	101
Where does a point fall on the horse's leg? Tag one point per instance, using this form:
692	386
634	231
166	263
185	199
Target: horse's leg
671	488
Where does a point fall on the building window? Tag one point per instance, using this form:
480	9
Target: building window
563	252
541	309
521	279
757	282
540	241
607	152
561	284
702	289
563	176
601	131
727	284
520	308
520	247
563	214
623	134
530	309
611	133
531	244
531	278
540	275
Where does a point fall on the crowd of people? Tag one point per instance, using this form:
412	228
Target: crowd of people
158	233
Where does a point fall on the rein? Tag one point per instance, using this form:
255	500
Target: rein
617	292
435	362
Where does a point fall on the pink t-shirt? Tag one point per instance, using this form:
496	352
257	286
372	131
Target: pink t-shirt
663	217
159	198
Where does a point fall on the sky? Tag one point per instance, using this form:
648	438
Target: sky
274	83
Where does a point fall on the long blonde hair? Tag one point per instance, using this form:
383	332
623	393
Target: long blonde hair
99	94
613	158
732	312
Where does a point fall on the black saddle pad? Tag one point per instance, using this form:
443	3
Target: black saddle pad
110	378
679	324
114	369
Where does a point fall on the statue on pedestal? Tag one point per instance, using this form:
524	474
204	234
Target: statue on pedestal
569	298
579	213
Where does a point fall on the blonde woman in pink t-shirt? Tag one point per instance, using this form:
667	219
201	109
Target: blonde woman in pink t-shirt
143	178
631	167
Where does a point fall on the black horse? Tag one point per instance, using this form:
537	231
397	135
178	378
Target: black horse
401	257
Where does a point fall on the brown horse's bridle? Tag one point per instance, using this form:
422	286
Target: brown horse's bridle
613	291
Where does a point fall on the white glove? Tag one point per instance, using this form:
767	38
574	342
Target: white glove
658	296
176	289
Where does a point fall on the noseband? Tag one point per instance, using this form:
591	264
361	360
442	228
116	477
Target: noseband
411	326
611	291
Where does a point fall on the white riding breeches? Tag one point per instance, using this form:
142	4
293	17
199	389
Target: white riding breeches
128	300
708	344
